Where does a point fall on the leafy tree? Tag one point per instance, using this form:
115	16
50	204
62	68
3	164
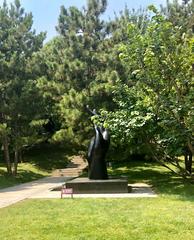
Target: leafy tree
155	113
18	93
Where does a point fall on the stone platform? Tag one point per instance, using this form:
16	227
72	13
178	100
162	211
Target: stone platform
87	186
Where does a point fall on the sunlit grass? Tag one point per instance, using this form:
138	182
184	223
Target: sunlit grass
67	219
163	181
26	172
38	162
169	216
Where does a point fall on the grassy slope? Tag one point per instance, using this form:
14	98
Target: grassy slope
38	163
26	172
170	216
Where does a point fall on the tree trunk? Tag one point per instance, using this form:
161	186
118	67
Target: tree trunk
188	161
16	154
20	157
190	146
7	155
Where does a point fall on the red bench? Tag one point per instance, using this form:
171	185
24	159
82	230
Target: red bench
66	191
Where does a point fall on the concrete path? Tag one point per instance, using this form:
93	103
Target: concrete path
20	192
43	186
41	189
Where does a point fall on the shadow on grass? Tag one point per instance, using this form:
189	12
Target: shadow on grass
162	180
48	157
22	177
42	159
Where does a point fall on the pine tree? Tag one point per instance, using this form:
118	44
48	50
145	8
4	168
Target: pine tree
180	14
83	67
17	87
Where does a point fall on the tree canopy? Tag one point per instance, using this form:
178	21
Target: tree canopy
136	69
19	98
155	111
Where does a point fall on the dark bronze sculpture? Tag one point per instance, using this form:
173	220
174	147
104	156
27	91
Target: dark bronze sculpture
97	151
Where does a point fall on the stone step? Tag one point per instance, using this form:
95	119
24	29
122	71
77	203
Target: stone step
73	169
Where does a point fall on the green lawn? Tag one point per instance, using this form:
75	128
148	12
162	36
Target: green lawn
163	181
38	162
169	216
26	172
89	219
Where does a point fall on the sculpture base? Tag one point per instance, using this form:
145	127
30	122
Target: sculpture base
85	185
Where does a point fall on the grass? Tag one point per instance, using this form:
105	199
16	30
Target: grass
48	157
98	219
26	172
169	216
163	181
38	162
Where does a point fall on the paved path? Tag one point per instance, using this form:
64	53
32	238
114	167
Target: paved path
20	192
42	188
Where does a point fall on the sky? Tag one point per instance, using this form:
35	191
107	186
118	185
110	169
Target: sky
46	12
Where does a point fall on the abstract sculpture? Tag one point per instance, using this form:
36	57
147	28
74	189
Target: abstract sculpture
98	148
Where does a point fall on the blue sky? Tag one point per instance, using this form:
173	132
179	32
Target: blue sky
46	12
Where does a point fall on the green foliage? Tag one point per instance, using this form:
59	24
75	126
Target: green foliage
82	65
137	68
155	107
19	97
81	68
180	14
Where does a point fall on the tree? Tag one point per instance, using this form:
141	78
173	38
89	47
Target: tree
81	66
18	93
180	14
78	69
155	113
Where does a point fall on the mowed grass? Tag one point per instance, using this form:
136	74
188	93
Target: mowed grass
169	216
160	178
26	172
98	219
38	162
